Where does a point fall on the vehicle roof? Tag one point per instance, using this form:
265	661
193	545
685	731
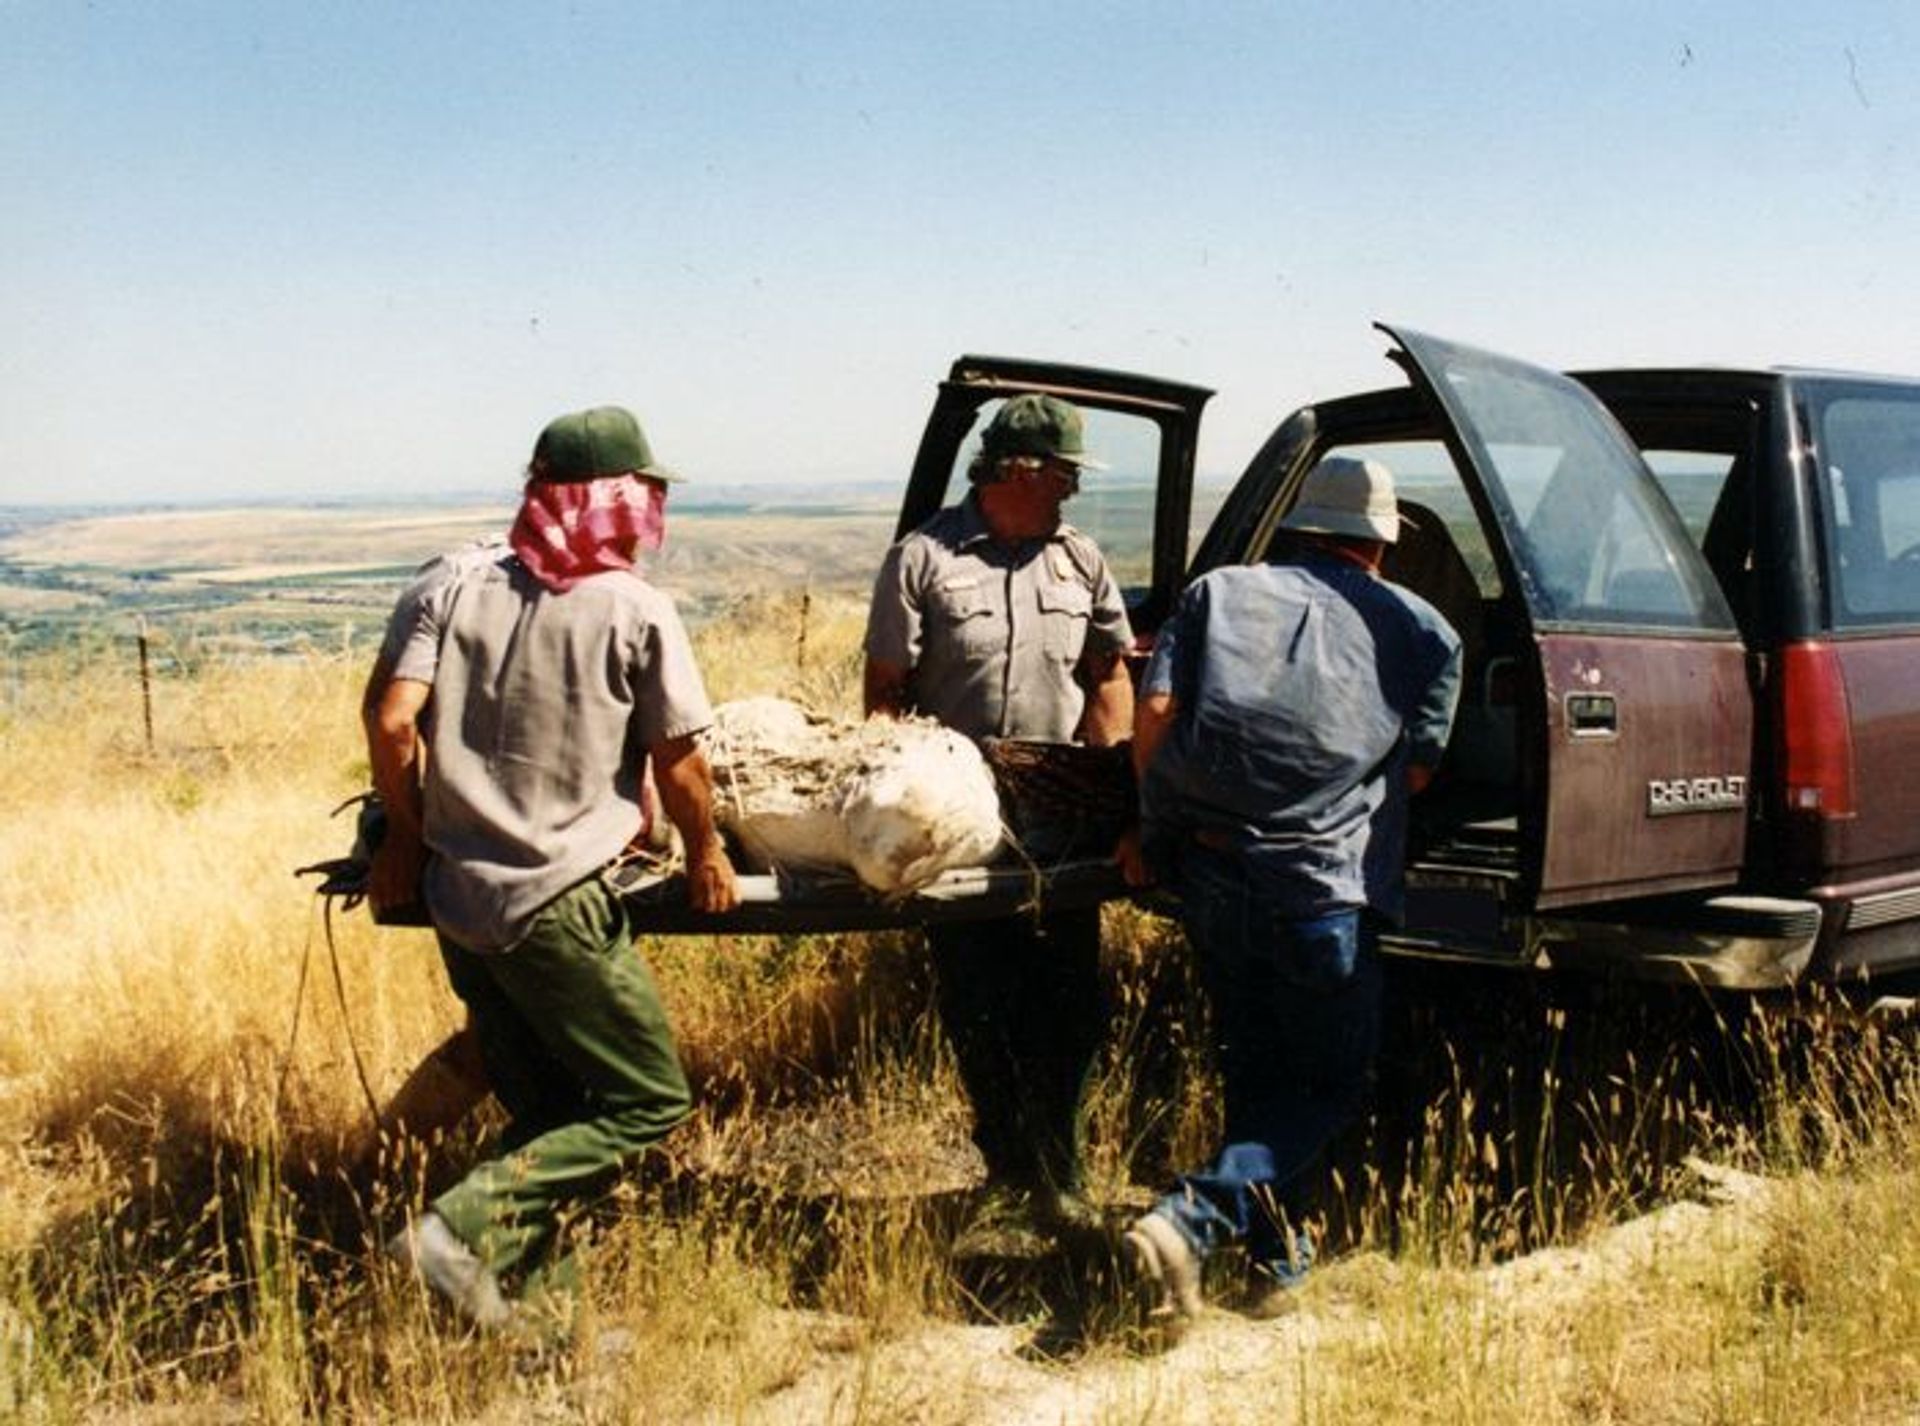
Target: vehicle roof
1736	375
1394	405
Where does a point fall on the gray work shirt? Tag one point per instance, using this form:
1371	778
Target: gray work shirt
543	708
1301	692
994	634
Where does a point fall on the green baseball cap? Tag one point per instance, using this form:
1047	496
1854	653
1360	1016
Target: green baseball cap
1035	424
585	445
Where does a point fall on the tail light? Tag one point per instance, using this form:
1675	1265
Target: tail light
1815	732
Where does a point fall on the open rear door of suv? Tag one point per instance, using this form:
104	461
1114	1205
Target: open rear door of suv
1635	713
1143	428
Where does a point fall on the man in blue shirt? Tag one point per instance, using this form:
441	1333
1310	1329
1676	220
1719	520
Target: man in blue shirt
1287	714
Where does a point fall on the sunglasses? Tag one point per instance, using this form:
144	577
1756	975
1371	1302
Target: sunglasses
1064	471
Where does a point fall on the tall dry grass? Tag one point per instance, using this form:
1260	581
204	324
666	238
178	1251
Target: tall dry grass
1771	1275
191	1198
193	1193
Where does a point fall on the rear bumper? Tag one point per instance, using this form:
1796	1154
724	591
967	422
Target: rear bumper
1727	942
794	904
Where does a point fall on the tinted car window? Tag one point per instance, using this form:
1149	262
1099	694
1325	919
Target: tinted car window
1692	480
1869	447
1597	542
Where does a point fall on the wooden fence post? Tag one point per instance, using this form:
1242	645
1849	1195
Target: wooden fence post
146	685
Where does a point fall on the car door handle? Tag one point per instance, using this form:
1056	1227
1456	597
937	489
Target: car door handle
1592	715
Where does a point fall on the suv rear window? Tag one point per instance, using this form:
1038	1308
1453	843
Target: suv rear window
1869	446
1596	542
1692	480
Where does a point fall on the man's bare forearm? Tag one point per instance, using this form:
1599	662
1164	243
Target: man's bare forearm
685	781
1152	720
394	749
686	791
884	688
1109	717
391	711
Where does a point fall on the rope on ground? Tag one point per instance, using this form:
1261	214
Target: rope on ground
346	1018
344	880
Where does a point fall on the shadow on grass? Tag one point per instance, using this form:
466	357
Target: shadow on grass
1510	1112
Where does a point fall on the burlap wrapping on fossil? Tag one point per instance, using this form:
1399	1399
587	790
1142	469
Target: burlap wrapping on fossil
897	802
900	801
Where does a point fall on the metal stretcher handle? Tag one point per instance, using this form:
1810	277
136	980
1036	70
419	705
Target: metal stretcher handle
793	903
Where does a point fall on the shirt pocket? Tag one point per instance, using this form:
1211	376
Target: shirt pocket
1066	610
964	616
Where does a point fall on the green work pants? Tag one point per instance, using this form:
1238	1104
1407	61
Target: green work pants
578	1049
1022	1004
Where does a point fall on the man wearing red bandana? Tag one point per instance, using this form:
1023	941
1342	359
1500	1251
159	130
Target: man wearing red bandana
521	689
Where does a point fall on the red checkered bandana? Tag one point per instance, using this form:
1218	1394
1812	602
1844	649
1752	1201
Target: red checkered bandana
568	530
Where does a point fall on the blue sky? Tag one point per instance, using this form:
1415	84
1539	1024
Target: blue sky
307	250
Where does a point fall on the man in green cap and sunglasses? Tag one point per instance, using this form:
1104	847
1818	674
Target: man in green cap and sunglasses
523	687
1002	621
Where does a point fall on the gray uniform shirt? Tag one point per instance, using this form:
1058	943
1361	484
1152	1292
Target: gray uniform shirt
994	634
543	708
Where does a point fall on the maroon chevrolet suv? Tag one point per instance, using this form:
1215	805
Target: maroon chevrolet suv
1690	607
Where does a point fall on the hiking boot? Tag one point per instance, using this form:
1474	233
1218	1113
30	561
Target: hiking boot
1266	1300
1273	1288
1165	1271
1002	1222
1062	1212
428	1248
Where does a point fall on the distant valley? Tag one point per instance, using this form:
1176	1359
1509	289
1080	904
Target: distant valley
283	576
292	576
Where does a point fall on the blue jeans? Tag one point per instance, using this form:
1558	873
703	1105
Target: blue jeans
1296	1023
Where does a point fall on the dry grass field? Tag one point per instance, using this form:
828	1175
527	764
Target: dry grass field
1579	1207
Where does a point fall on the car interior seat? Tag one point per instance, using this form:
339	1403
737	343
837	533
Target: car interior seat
1427	561
1479	776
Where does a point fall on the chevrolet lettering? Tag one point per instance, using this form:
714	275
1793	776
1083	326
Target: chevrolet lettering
1695	794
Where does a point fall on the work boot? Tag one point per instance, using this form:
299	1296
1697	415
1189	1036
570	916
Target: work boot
1019	1221
428	1248
1003	1221
1065	1211
1266	1300
1273	1284
1165	1273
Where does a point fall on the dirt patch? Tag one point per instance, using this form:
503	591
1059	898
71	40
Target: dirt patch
1227	1367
